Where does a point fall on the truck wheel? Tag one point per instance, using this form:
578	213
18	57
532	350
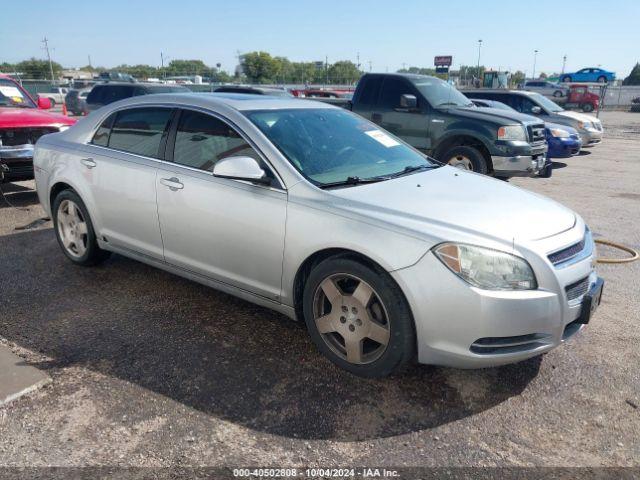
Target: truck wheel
587	107
466	158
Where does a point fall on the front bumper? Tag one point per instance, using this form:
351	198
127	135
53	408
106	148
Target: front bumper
590	137
518	159
563	147
461	326
19	161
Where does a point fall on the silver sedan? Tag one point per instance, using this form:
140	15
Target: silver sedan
313	211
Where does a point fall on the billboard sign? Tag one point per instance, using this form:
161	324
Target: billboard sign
443	61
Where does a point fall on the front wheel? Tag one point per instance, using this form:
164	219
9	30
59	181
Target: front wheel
466	158
358	318
74	230
587	107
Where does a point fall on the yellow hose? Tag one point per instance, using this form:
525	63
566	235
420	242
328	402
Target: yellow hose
634	254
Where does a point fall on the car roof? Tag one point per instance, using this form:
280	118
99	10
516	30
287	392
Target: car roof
499	90
235	101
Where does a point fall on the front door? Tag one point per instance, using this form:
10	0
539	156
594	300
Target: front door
228	230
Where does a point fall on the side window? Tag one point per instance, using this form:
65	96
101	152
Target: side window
95	95
139	130
392	90
369	91
202	140
101	137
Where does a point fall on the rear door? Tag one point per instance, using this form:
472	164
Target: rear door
228	230
120	167
410	125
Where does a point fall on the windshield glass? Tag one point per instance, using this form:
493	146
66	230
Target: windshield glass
12	96
545	103
440	93
331	145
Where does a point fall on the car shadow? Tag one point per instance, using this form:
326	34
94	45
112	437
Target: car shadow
219	354
17	196
557	165
584	152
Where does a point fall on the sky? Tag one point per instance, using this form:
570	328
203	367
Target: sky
388	34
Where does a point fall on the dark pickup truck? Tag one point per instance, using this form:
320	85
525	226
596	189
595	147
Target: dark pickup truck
434	117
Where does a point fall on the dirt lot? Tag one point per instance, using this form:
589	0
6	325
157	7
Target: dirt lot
149	369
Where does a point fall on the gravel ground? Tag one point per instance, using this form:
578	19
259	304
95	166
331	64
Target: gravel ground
149	369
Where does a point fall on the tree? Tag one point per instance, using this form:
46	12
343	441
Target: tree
517	78
187	67
543	76
344	71
38	69
259	67
418	70
634	76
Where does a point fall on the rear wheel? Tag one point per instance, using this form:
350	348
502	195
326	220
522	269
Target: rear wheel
466	158
587	107
74	230
358	317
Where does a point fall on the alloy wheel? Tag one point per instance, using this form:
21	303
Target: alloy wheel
72	228
462	162
351	318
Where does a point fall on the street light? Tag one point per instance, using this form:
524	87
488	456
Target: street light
478	67
535	57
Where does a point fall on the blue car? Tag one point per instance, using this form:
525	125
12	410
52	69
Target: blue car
589	75
562	141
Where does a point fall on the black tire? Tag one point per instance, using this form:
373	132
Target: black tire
602	79
566	79
587	107
93	254
478	162
401	345
547	170
558	94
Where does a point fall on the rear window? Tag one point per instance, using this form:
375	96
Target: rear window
139	130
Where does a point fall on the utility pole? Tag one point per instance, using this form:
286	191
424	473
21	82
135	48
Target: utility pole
535	57
564	62
370	65
46	47
326	70
478	66
90	66
358	60
404	66
164	75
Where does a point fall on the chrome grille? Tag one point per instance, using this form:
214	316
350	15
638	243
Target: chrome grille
566	253
577	289
536	133
23	136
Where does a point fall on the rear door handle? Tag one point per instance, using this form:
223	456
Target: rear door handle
173	183
88	162
376	118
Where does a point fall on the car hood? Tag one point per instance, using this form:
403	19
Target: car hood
577	116
567	128
495	115
450	198
31	117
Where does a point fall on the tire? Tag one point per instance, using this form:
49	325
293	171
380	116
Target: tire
350	320
70	232
587	107
602	79
557	94
547	171
466	158
566	79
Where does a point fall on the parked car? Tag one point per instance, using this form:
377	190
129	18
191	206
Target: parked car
22	122
589	75
562	140
319	93
321	215
105	93
76	101
580	97
544	87
55	95
274	92
434	117
531	103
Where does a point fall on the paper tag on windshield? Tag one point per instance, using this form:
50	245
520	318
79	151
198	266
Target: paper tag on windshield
11	92
383	138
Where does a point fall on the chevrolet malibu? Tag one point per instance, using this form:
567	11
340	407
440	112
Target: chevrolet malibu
310	210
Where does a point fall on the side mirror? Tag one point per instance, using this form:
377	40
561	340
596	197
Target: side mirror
536	110
241	168
44	103
409	102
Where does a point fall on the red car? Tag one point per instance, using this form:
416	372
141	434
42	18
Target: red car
22	123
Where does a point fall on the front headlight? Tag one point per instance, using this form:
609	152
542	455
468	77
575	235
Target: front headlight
559	133
584	125
486	268
512	132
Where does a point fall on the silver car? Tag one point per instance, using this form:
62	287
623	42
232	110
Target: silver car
313	211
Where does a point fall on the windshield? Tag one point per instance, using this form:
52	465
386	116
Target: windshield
545	103
331	145
440	93
12	96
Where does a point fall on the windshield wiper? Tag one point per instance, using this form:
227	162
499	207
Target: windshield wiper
353	181
413	168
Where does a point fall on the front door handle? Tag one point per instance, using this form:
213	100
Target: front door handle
173	183
88	162
376	117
